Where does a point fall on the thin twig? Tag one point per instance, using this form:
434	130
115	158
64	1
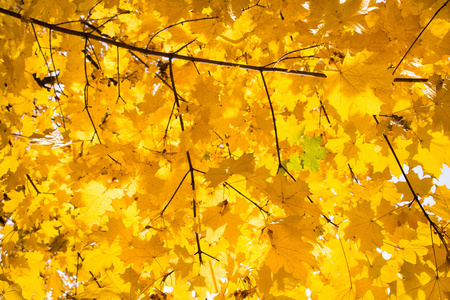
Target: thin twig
346	262
353	175
39	46
184	46
398	163
273	120
254	5
329	221
61	90
86	94
253	202
326	218
410	47
119	96
90	272
280	165
173	195
294	51
176	24
76	273
157	75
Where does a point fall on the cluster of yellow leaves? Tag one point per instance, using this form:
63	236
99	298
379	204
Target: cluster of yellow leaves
143	156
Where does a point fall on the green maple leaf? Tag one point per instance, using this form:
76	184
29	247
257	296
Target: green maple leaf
312	153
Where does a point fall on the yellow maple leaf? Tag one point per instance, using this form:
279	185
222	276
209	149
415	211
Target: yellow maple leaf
220	221
442	199
244	165
421	186
292	196
141	252
363	227
352	85
422	282
289	250
94	200
10	291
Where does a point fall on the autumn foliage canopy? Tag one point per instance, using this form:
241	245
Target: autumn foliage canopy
241	149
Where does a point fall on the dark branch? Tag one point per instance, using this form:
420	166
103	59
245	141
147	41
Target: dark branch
191	167
113	42
416	199
32	183
199	252
399	164
280	165
254	5
325	112
273	121
410	79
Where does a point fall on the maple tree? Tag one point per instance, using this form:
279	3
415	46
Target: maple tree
241	149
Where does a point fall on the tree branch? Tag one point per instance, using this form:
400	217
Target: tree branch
113	42
124	45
